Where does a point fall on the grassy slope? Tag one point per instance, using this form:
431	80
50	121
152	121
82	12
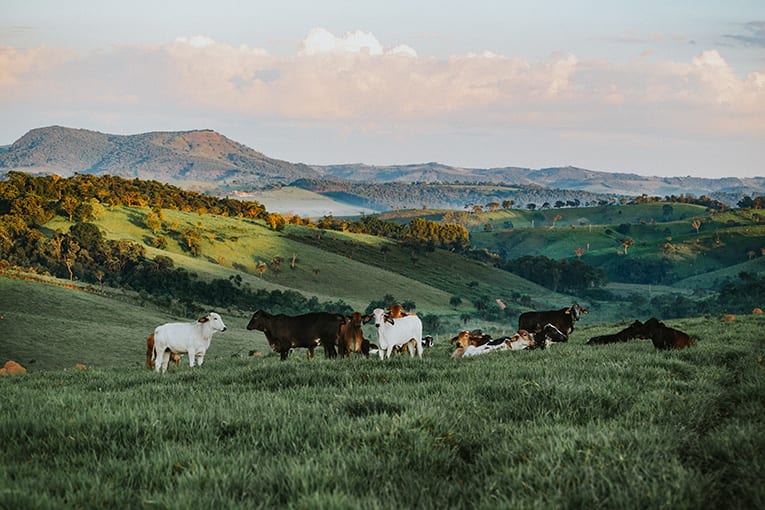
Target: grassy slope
340	265
723	241
46	327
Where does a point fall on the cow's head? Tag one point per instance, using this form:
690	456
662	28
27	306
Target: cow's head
462	339
355	319
577	311
258	321
215	321
380	317
522	339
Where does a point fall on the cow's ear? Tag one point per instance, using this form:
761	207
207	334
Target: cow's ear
389	320
204	319
366	318
568	311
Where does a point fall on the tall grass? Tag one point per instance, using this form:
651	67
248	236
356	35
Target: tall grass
614	426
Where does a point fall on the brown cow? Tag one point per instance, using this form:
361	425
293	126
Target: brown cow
351	336
634	330
664	337
150	356
475	337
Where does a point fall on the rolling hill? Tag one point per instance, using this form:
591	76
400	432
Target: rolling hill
169	157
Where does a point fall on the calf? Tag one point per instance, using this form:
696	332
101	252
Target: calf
392	332
192	338
150	356
351	336
427	341
475	337
663	337
309	330
634	330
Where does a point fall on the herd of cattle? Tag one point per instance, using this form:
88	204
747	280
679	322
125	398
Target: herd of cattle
397	331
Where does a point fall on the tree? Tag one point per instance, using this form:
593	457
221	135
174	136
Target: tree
455	301
193	239
70	256
276	221
696	224
152	221
626	243
69	204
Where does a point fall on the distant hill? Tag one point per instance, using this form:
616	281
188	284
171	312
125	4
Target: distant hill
205	159
171	157
568	178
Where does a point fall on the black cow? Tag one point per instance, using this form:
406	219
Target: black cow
548	336
634	330
563	319
285	332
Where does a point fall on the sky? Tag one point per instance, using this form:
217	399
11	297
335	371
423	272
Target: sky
656	87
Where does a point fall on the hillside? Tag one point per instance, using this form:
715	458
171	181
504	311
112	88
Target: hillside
561	178
170	157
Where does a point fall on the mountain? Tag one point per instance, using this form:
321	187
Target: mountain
570	178
225	167
172	157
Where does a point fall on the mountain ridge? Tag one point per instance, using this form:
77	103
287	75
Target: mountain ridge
227	166
168	156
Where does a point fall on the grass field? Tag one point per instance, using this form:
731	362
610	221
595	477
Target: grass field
614	426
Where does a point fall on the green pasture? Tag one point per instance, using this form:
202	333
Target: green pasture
330	265
616	426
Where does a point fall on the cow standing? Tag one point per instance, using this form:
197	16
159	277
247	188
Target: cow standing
351	337
563	319
192	338
285	332
393	332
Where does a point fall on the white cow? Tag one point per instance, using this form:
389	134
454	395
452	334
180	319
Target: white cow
192	338
400	331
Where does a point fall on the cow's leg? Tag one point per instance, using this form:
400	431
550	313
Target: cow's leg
419	348
158	363
310	352
192	357
200	358
389	351
283	354
165	360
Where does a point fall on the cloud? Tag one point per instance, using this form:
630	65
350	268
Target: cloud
755	36
23	70
358	82
321	41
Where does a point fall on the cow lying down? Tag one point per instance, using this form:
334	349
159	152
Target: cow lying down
472	343
662	336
